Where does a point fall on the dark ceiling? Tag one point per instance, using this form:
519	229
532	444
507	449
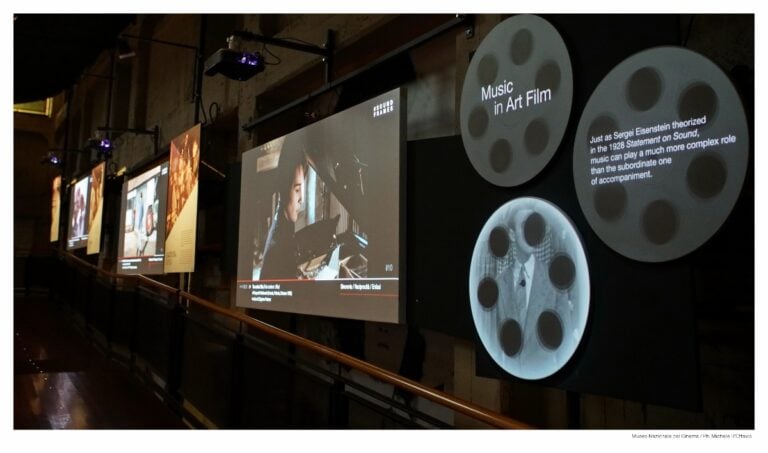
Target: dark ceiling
52	51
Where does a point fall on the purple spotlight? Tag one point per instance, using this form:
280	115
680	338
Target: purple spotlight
252	59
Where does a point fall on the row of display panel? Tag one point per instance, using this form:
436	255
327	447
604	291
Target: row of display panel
660	156
571	252
319	215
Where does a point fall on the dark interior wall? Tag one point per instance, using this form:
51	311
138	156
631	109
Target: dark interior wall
32	185
651	336
448	204
32	190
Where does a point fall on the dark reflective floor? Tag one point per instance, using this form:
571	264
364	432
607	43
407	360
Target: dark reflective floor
62	381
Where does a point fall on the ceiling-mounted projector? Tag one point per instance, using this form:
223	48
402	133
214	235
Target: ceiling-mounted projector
234	64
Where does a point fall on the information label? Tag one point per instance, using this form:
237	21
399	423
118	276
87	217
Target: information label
660	154
516	100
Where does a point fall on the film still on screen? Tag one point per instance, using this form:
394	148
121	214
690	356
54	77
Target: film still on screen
320	217
142	241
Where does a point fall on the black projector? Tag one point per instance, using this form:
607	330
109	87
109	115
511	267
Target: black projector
234	64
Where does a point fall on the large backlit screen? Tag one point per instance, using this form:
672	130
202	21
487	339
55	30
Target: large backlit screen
320	217
77	236
142	222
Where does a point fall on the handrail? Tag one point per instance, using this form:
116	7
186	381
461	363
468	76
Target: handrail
156	284
456	404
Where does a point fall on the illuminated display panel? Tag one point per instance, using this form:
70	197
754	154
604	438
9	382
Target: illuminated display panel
77	236
660	154
181	218
529	288
95	208
142	222
516	100
55	208
320	224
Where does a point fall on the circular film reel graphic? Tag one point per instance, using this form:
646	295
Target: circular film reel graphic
677	194
516	100
530	321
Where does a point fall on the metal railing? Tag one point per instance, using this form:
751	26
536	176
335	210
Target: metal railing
458	405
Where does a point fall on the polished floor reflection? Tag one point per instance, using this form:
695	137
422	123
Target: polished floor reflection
61	381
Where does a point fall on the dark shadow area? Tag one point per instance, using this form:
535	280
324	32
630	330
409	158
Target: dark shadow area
61	381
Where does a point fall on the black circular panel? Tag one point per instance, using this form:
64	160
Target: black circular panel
660	222
610	201
548	76
697	101
706	175
511	337
536	136
487	69
522	46
478	122
644	88
601	126
501	155
534	229
499	242
562	272
550	329
488	292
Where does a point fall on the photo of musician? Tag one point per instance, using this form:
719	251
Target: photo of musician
79	207
281	252
140	237
319	221
309	233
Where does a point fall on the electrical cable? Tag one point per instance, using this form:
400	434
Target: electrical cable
299	41
211	111
199	106
266	50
